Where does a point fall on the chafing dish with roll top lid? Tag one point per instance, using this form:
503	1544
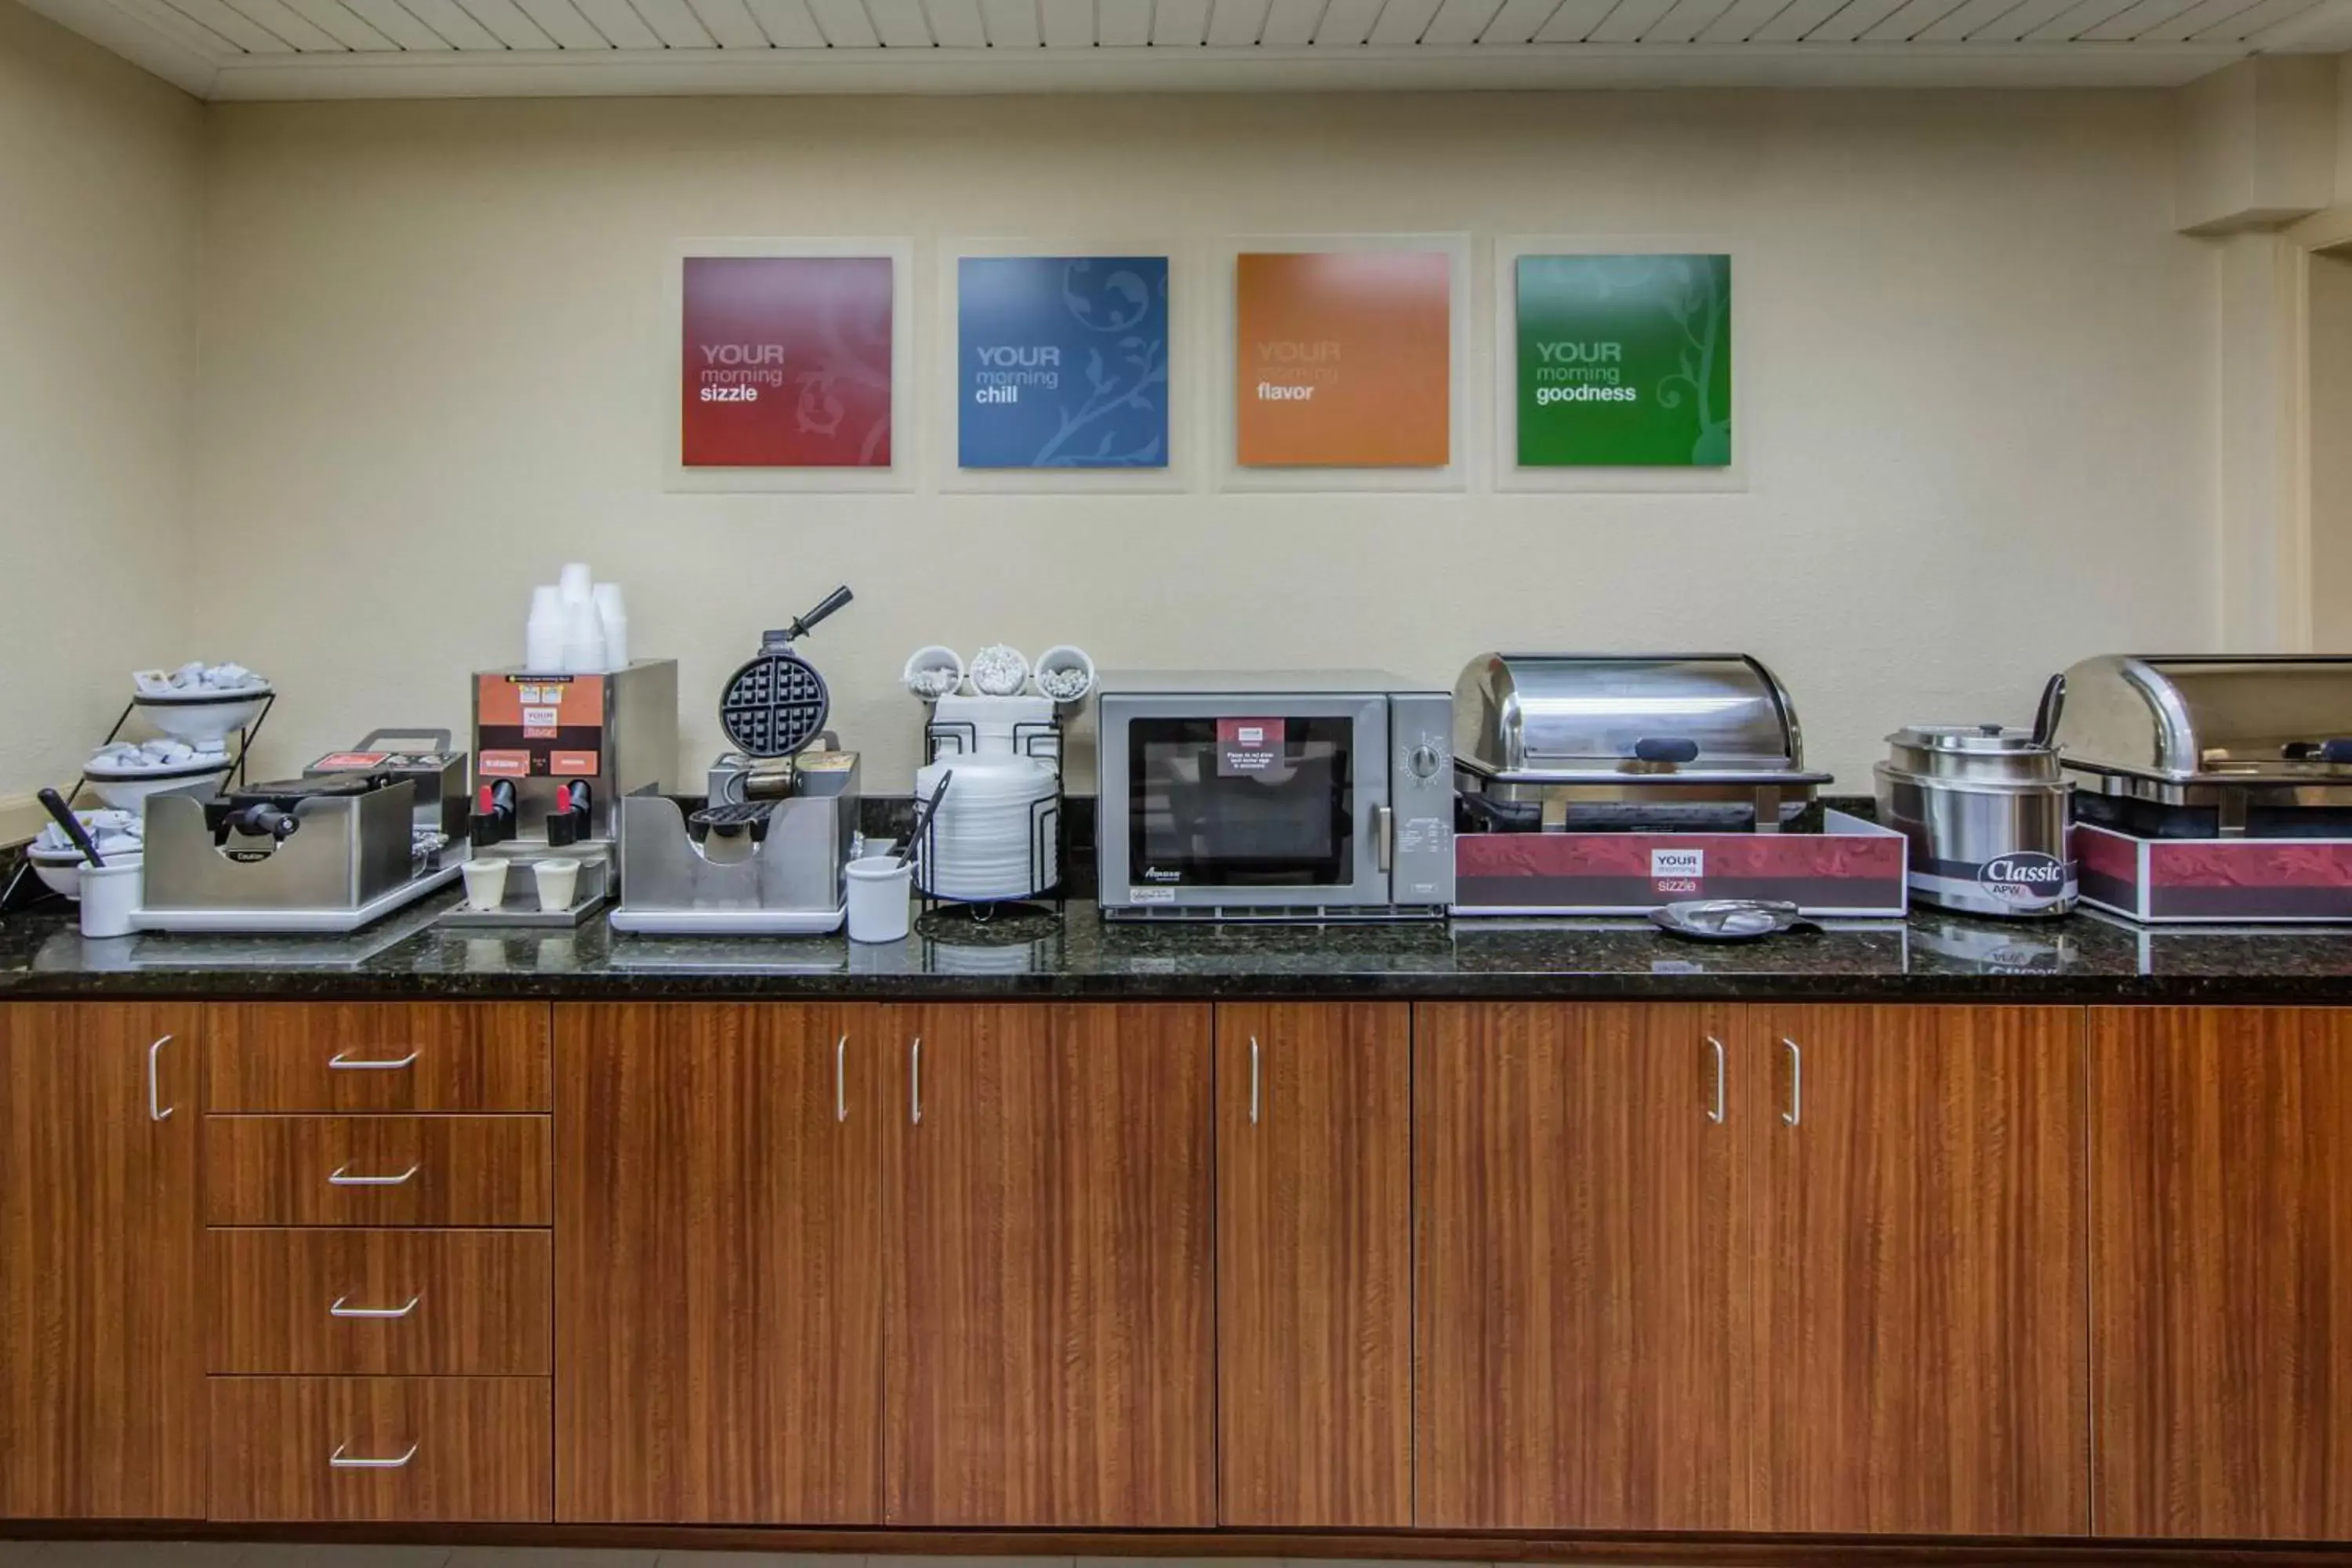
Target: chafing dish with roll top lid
2191	746
1684	741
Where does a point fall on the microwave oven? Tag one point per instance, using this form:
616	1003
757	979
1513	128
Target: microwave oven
1303	796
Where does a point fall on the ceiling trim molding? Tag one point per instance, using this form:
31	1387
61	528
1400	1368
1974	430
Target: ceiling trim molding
1368	67
178	58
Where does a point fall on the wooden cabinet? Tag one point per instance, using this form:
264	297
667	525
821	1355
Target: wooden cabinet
1315	1265
1049	1336
720	1256
2222	1271
102	1326
1919	1251
1581	1269
1835	1283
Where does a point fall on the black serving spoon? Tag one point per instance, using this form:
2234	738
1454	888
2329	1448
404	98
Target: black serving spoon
57	808
924	813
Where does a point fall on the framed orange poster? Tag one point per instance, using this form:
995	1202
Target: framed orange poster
1343	358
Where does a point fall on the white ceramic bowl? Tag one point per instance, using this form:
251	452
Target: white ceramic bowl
193	715
125	789
60	870
931	667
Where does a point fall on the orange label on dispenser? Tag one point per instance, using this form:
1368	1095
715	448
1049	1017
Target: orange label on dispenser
538	726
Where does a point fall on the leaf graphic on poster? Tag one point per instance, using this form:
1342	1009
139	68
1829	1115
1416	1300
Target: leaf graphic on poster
1097	377
819	412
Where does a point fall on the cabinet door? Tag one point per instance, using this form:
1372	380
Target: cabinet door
1581	1272
1920	1269
718	1264
1315	1265
1048	1335
2222	1271
102	1329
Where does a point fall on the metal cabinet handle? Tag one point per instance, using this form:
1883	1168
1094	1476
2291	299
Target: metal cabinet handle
342	1062
840	1088
156	1109
1796	1111
1253	1080
915	1081
339	1178
1716	1115
1384	838
338	1461
340	1310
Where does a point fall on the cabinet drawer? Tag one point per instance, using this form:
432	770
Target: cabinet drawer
399	1448
478	1302
300	1056
376	1170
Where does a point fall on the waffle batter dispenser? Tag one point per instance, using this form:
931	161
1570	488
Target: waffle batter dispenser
760	851
554	755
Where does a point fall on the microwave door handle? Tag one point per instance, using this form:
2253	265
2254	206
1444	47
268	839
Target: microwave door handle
1384	836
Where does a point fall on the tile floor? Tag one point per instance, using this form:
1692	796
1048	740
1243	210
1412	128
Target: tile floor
237	1554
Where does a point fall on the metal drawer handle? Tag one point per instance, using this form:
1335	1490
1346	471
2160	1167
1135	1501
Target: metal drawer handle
915	1076
1796	1111
338	1461
1716	1115
1253	1080
338	1178
340	1310
342	1061
840	1089
156	1109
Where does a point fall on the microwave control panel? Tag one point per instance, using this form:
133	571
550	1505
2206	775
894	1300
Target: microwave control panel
1420	797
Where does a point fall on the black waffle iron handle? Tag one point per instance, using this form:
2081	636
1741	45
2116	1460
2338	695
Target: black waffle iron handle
806	624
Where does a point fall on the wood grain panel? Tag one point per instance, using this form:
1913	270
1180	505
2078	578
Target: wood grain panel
478	1302
720	1314
1315	1265
476	1449
101	1356
376	1056
1920	1253
2222	1271
1048	1344
1581	1271
458	1170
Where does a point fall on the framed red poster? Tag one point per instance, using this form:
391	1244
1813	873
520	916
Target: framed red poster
787	360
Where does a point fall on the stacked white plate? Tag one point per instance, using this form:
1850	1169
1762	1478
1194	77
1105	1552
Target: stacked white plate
984	842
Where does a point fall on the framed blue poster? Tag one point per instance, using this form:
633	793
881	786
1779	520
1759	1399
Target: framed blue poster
1061	361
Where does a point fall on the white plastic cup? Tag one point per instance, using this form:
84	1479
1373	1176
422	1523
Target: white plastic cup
486	883
878	898
110	895
543	635
558	879
612	619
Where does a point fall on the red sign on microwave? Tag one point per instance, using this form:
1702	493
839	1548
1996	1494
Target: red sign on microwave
786	362
1248	747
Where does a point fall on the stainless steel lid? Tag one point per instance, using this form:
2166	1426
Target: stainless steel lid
2249	718
1693	717
1983	753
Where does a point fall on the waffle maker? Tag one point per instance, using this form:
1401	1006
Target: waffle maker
341	846
762	851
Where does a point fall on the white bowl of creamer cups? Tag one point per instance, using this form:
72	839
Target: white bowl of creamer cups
934	672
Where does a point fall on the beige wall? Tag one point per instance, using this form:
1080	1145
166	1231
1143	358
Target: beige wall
1977	426
100	203
2331	471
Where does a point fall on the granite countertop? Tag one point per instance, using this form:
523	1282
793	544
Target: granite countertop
2086	958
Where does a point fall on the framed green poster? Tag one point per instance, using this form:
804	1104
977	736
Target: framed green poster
1625	361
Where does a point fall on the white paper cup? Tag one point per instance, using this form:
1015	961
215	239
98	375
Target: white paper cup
558	879
109	894
878	898
1067	660
485	882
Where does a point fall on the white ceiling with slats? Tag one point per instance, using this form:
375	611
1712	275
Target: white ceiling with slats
400	49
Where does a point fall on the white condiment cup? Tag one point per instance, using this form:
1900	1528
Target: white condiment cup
878	898
485	882
110	895
558	879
